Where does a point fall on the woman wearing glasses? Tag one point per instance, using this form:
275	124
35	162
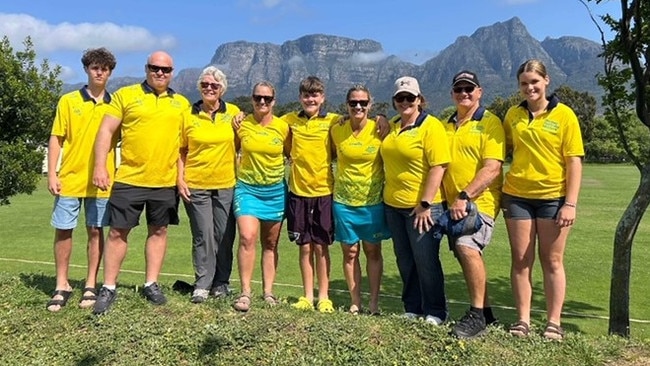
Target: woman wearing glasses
358	208
415	155
260	192
206	181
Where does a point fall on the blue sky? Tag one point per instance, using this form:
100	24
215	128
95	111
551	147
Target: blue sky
191	30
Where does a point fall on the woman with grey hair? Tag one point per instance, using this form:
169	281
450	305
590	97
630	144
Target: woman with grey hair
206	181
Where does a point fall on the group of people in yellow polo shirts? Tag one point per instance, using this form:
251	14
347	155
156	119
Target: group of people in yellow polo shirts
412	178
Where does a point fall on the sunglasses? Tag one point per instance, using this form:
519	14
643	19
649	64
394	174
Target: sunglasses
156	68
213	86
466	89
362	103
402	97
259	98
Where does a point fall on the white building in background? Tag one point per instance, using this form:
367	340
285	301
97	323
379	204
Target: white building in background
58	164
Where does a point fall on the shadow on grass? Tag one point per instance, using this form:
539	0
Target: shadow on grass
500	293
47	283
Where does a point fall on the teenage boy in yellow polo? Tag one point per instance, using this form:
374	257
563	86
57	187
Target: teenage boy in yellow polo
77	120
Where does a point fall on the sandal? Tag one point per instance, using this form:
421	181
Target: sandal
354	310
519	329
303	304
65	295
553	331
242	302
88	301
325	306
270	299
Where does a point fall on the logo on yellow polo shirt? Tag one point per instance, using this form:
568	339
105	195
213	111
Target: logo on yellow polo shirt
550	126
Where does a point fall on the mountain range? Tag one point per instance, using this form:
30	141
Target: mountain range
493	52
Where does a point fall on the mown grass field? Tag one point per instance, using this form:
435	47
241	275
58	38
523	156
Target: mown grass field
212	333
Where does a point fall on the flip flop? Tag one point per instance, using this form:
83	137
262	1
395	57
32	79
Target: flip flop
88	301
65	295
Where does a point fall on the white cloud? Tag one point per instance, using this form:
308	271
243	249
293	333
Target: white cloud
67	73
367	57
67	36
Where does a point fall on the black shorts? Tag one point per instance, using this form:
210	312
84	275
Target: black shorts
518	208
127	202
309	219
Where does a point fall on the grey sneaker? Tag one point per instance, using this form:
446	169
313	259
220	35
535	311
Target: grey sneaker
199	296
221	291
470	326
105	299
154	294
434	320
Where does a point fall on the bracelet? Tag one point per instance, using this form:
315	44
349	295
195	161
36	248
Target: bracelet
570	204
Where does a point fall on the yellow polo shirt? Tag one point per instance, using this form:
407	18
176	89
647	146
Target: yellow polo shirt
539	147
478	139
359	170
77	120
210	143
311	157
262	148
409	155
150	133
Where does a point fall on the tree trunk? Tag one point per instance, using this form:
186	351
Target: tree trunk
619	300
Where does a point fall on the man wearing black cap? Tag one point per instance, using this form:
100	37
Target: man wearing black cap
477	144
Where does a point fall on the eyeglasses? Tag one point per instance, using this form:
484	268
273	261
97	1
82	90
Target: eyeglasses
354	103
156	68
466	89
213	86
399	98
259	98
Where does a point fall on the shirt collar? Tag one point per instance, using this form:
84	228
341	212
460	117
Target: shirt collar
87	98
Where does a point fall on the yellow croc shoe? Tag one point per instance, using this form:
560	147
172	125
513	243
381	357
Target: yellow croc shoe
325	306
303	304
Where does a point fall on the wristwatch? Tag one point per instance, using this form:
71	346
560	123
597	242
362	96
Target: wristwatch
463	196
425	204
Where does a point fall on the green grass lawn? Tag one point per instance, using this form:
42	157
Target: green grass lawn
26	256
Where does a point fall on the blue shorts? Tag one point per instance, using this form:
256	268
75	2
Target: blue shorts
66	212
266	203
367	223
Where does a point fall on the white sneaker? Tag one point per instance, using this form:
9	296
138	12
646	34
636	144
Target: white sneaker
411	316
434	320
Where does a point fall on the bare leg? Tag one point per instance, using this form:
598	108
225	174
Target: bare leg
473	267
307	270
322	259
352	272
522	249
114	253
270	236
552	241
62	252
374	269
94	250
248	228
155	249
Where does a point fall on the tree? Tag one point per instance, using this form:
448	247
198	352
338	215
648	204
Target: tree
500	106
626	81
28	97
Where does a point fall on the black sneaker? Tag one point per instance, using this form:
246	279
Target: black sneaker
470	326
154	294
105	299
220	291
